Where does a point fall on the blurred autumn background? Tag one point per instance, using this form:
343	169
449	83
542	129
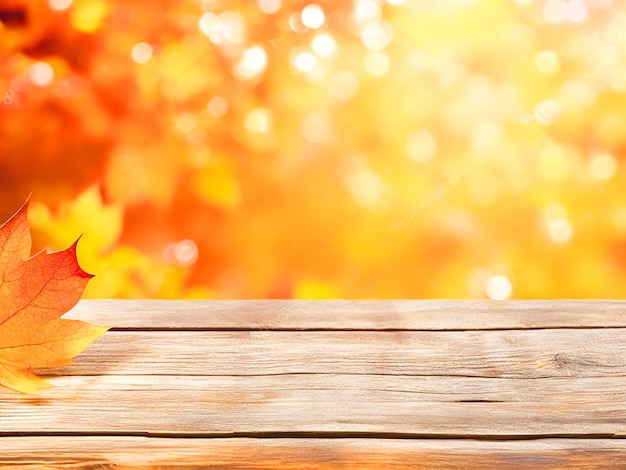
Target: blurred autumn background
328	149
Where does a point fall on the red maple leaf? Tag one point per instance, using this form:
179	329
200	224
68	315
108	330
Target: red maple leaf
34	293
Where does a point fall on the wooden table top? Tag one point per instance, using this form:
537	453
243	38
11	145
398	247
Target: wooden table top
332	384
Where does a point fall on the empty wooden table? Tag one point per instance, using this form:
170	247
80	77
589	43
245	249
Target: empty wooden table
332	384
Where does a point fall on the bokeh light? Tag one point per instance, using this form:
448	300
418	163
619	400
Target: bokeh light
499	288
312	16
547	62
142	52
218	106
269	7
361	149
41	74
60	4
323	45
252	63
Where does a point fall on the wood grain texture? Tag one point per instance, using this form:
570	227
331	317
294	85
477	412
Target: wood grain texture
522	354
352	314
321	404
102	452
332	384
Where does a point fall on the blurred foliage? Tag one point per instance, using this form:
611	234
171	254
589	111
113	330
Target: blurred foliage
240	149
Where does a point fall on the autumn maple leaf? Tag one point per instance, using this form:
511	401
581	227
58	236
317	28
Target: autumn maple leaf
34	293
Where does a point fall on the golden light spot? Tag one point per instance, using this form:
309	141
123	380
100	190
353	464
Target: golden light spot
602	166
547	62
183	253
41	74
209	23
253	62
269	7
421	146
142	52
377	35
560	230
60	5
218	106
323	45
499	288
258	120
366	187
366	10
303	60
312	16
556	224
227	28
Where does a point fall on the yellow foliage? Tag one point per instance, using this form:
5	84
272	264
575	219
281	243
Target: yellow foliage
121	272
397	149
88	15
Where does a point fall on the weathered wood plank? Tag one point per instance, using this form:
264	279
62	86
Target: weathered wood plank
327	405
88	453
353	314
509	353
374	370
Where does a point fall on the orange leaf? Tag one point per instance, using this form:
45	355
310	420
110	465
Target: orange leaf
34	293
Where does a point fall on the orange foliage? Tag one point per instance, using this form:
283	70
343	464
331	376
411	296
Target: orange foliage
34	293
355	149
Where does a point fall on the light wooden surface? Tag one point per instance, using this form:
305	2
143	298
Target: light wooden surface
332	384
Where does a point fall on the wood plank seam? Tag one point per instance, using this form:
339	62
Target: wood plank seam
438	385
